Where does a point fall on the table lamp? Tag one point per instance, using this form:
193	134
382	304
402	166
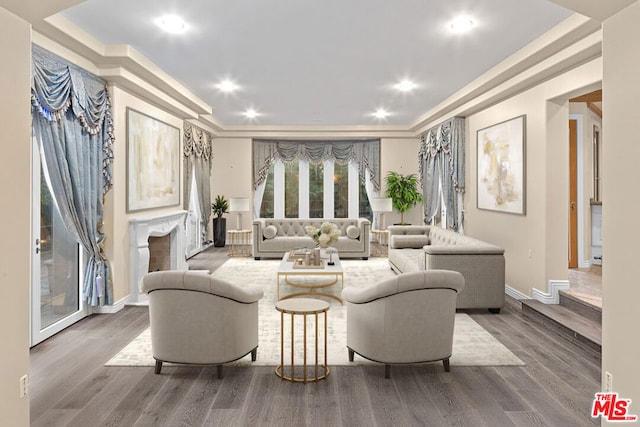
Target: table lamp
381	205
239	205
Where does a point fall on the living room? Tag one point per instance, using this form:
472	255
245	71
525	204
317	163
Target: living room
535	244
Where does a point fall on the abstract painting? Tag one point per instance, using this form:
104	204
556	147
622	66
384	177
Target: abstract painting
501	166
153	163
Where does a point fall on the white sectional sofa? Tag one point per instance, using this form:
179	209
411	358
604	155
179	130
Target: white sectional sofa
416	248
272	237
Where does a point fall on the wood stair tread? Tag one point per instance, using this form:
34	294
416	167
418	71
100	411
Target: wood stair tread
567	319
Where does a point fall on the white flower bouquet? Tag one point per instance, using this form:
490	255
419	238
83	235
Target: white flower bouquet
325	236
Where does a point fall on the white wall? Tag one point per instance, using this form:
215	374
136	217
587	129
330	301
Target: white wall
536	243
15	244
621	203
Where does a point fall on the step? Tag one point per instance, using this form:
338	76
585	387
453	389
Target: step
581	306
565	322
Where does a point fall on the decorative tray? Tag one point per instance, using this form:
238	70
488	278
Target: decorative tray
312	266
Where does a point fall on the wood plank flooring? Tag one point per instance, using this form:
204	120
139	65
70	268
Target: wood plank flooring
71	387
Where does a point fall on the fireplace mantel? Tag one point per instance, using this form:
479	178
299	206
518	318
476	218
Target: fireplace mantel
140	228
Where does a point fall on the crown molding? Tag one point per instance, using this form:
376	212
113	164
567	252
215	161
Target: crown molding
570	44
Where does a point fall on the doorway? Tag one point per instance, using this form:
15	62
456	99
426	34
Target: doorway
56	301
573	194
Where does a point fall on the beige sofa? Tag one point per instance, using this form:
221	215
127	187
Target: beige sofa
272	237
198	319
416	248
382	318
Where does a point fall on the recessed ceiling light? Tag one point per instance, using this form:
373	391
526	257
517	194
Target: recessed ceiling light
172	24
405	86
461	24
227	86
380	113
251	113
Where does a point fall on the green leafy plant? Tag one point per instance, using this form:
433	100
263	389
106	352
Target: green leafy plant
403	191
220	206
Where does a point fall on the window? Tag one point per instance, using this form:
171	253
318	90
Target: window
324	190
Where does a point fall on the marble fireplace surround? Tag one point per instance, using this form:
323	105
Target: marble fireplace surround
140	229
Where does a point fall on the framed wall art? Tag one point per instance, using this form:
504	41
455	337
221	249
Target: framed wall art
501	166
153	163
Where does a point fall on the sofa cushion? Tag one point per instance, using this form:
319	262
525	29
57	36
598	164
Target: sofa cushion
270	232
353	232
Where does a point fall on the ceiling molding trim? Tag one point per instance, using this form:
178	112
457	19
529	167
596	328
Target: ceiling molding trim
316	132
568	33
147	92
584	52
62	31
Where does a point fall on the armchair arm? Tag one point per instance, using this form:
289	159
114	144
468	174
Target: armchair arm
200	282
430	279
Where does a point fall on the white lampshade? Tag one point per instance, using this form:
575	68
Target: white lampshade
239	204
381	204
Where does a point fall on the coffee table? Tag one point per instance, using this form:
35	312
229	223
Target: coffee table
334	272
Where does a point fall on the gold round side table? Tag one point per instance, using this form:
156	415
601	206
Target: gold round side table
303	307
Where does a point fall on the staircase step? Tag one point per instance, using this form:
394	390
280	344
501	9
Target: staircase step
580	306
565	322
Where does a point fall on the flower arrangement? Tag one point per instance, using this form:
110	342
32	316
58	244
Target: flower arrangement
325	236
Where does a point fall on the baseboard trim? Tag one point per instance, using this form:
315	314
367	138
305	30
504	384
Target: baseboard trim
109	309
514	293
553	297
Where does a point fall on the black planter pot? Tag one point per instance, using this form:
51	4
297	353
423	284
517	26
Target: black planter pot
219	232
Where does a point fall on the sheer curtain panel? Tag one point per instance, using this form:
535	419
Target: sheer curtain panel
198	158
72	122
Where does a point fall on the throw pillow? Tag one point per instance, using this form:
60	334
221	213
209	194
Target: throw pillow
270	232
353	232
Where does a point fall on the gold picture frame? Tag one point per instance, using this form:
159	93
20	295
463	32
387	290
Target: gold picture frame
153	163
501	161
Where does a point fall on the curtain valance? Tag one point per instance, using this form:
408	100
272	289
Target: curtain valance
57	85
197	142
365	153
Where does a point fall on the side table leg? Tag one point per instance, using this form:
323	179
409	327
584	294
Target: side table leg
304	372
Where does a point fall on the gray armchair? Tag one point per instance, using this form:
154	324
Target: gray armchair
405	319
199	319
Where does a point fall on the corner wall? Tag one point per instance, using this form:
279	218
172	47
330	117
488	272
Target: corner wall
536	243
15	244
621	203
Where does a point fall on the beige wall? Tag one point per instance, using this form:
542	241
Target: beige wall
621	202
536	243
15	244
400	155
116	219
231	175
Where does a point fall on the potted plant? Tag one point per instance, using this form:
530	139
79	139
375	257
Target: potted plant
218	207
403	191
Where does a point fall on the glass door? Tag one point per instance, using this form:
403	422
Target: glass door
56	272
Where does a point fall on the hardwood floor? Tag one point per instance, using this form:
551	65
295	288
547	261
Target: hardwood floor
71	387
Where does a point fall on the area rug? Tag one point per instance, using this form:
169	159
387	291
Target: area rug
472	344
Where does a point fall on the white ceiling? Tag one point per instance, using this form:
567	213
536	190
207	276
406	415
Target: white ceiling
322	62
